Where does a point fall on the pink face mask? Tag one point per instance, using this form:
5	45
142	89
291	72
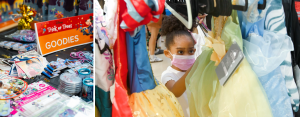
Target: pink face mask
183	62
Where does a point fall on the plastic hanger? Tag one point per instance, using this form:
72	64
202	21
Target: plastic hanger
240	7
262	6
188	23
244	8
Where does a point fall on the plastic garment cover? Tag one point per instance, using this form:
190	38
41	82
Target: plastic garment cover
120	107
199	41
139	68
241	96
141	13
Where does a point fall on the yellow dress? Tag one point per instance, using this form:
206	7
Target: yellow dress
241	96
158	102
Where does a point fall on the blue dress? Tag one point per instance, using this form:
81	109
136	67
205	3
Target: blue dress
275	22
139	68
266	50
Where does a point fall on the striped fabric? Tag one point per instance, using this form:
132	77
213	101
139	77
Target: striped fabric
275	21
286	69
141	12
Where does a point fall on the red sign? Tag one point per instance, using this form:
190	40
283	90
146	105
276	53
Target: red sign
64	33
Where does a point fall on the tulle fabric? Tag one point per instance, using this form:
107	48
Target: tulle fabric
158	102
276	91
266	50
241	96
274	21
266	53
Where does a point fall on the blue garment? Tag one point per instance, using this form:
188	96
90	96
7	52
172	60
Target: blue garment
248	27
265	53
265	50
139	69
275	21
276	91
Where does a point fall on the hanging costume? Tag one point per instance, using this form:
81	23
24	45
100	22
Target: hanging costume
148	98
241	96
120	107
266	50
104	77
274	25
141	13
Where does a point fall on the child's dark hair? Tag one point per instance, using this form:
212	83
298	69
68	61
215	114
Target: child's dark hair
172	27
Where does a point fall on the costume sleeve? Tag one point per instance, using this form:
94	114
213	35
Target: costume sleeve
139	12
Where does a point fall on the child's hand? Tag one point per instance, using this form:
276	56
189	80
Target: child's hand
201	17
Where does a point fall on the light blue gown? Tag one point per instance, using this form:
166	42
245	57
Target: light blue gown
266	50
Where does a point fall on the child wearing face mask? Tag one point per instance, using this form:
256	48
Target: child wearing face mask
180	46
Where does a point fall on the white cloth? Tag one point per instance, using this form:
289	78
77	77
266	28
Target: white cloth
111	19
199	38
172	74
